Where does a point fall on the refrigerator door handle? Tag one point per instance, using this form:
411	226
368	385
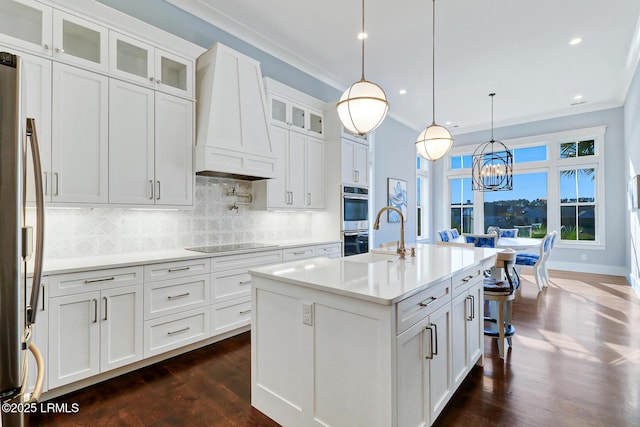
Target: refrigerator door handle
37	268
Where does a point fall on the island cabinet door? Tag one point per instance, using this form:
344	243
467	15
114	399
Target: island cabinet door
460	315
440	383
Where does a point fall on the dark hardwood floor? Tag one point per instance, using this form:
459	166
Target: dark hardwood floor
575	361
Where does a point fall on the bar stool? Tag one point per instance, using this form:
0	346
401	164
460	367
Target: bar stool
499	294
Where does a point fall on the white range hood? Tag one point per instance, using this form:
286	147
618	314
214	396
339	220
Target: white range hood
232	136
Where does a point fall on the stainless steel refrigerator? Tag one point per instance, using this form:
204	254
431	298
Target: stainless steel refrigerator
19	248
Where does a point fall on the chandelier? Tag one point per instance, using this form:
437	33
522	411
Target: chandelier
492	168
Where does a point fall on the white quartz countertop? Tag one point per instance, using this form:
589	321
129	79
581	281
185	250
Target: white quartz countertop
70	265
378	277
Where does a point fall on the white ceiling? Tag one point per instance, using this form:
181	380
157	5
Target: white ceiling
518	49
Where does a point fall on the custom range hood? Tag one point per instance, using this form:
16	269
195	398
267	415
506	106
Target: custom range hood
232	136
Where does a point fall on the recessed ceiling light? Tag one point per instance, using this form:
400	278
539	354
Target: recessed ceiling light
447	123
402	91
575	41
362	36
578	97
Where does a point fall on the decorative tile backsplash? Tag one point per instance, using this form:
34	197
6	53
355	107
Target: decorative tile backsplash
105	231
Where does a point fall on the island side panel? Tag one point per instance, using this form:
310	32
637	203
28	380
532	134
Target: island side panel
341	364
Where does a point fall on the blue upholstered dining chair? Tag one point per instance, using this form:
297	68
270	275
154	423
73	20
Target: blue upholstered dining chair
454	233
552	242
482	240
493	229
444	235
536	261
508	232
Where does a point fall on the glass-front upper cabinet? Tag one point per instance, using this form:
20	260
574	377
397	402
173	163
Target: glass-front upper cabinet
79	41
141	63
26	24
298	117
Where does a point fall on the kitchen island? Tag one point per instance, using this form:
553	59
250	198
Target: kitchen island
367	340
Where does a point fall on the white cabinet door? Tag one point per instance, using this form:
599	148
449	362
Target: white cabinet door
120	326
26	24
296	160
315	173
361	164
412	348
348	162
131	59
80	131
460	313
173	74
74	338
440	387
277	192
173	150
131	143
37	83
475	326
80	42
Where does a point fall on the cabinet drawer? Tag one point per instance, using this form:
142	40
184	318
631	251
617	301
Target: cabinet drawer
230	315
463	280
174	331
300	252
328	250
95	280
175	295
230	284
416	307
170	270
252	259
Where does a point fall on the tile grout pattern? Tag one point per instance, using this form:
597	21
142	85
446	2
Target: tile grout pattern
73	232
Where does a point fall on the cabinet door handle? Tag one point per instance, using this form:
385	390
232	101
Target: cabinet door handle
186	294
43	298
473	306
59	50
430	355
103	279
355	178
95	310
106	307
46	46
187	267
151	79
46	183
469	308
435	333
466	279
158	193
150	189
57	177
179	331
309	199
428	301
245	312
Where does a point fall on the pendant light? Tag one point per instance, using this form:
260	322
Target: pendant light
492	168
435	141
363	106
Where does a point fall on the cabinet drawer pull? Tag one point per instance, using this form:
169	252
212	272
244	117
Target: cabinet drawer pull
186	294
245	312
179	331
428	301
466	279
299	253
103	279
95	310
171	270
245	282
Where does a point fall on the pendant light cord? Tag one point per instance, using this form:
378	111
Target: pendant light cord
363	37
433	64
492	95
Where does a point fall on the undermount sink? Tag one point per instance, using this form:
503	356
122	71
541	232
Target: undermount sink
371	257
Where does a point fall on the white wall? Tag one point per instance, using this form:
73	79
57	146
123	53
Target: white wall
631	169
609	261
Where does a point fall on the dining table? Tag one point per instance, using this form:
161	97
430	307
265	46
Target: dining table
516	243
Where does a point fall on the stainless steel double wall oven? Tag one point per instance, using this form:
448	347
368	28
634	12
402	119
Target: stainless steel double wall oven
355	220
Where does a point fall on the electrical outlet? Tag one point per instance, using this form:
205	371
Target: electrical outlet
584	257
307	314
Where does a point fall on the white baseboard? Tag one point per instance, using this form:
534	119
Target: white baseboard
635	284
613	270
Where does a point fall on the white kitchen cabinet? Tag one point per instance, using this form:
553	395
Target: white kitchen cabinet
79	136
149	166
144	64
355	163
27	24
80	42
301	170
295	116
466	319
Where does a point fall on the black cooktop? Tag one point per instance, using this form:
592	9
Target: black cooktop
230	247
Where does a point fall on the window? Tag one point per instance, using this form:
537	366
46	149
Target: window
577	204
422	226
461	205
558	185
